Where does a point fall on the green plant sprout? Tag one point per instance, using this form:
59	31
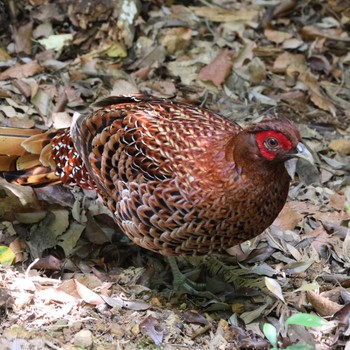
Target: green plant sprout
300	319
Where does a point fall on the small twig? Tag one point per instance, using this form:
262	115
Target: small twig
201	331
30	266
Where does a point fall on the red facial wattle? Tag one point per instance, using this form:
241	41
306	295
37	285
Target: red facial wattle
283	143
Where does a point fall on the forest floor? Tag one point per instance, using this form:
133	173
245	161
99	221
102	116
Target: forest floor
70	279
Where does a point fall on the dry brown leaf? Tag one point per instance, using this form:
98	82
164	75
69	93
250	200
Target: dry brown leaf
321	238
217	14
288	218
218	70
342	146
177	39
320	63
286	59
21	71
49	262
69	287
23	38
337	201
277	36
316	95
322	305
162	88
88	295
312	32
333	217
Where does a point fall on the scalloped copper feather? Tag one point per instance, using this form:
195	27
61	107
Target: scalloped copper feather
169	173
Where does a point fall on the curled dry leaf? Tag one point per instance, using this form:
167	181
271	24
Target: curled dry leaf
312	32
343	315
322	305
194	317
136	305
150	326
88	295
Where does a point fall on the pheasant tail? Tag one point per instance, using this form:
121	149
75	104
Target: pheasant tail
26	157
37	158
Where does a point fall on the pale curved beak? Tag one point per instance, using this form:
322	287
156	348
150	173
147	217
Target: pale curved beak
304	153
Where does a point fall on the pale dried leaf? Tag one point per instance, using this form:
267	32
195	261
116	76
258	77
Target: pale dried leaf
274	287
88	295
277	36
217	14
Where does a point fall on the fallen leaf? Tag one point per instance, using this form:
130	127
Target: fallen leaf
20	71
292	43
274	287
323	306
177	39
23	38
88	295
56	42
316	95
288	218
277	36
217	14
320	63
4	56
218	70
49	262
312	32
136	305
55	295
286	59
194	317
342	146
116	50
343	315
150	326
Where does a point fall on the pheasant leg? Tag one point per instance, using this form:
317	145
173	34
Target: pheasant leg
183	285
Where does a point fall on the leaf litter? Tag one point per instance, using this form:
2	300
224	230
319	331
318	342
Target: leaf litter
76	280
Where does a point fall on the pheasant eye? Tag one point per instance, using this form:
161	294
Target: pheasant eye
271	142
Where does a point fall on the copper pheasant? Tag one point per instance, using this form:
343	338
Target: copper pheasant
179	179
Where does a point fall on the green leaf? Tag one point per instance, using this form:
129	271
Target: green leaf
116	50
270	333
6	255
307	320
299	347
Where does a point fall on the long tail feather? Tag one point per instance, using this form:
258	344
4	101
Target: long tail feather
26	157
